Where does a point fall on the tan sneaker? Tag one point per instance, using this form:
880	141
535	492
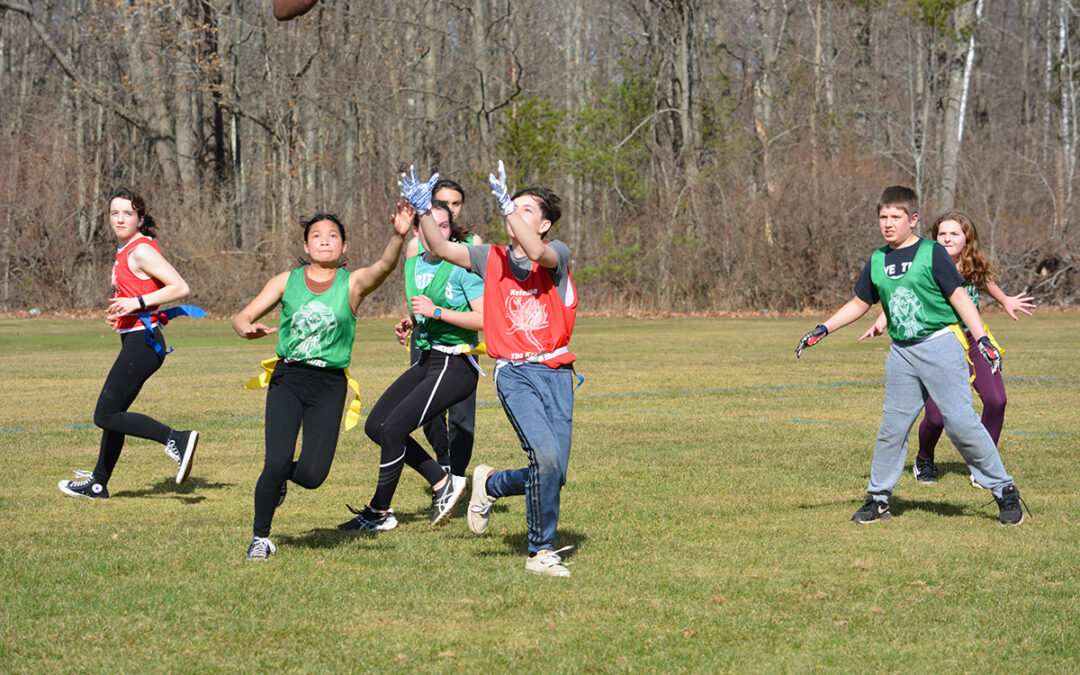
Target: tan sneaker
548	563
480	503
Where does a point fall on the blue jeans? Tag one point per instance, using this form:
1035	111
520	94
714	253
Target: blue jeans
539	402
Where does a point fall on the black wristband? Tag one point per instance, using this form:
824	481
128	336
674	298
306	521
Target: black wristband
142	303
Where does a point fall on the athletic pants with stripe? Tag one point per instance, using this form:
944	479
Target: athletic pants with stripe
424	391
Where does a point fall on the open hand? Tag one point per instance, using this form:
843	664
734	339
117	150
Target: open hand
1020	302
417	192
255	331
502	194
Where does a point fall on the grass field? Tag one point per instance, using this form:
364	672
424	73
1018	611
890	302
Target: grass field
711	484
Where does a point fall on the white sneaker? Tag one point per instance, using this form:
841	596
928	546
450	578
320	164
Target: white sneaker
446	498
548	563
261	548
974	483
481	502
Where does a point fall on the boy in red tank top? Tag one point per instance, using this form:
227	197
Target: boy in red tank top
529	308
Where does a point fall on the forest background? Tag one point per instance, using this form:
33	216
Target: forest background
713	155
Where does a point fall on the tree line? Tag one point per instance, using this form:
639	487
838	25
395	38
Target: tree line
712	154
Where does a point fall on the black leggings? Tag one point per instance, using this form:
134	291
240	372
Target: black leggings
299	395
134	365
430	386
451	433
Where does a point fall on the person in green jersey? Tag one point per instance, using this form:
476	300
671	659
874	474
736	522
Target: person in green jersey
447	306
923	297
309	380
450	434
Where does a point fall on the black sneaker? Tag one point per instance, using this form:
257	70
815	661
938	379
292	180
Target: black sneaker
181	447
444	499
88	487
261	548
367	519
1011	507
872	512
924	470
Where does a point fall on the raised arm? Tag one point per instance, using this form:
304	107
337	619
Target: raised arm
150	262
532	244
1021	302
367	279
245	322
418	193
451	251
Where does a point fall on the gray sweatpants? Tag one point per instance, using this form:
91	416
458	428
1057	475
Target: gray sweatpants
935	367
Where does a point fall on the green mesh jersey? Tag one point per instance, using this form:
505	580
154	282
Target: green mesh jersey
316	328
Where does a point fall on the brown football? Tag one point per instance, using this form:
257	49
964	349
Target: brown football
290	9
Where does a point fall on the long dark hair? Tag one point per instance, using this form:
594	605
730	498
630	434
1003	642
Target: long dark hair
149	225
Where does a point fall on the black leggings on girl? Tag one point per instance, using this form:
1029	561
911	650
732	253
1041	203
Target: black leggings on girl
433	384
134	365
298	395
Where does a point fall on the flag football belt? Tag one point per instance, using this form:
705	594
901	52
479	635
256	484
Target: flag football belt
468	351
539	358
171	313
962	336
352	415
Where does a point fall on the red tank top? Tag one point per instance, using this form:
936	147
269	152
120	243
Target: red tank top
126	285
523	319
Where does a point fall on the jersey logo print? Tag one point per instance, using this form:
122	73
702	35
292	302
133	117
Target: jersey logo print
526	315
905	309
890	270
313	327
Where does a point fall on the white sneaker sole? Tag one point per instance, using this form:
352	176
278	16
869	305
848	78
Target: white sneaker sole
189	453
71	493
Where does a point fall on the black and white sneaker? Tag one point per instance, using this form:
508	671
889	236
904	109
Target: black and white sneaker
924	470
87	487
444	499
368	519
181	447
1010	506
261	548
872	512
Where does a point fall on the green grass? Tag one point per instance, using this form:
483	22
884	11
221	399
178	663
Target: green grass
711	484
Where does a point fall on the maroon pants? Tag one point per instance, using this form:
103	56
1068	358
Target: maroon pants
990	388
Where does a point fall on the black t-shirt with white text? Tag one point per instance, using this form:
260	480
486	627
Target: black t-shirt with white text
898	260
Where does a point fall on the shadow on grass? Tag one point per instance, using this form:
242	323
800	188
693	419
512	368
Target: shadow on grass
167	487
326	538
941	507
517	544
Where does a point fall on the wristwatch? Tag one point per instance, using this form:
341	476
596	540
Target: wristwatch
437	313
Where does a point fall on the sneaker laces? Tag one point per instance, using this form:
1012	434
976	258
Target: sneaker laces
85	478
261	547
1008	500
362	517
172	451
553	558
